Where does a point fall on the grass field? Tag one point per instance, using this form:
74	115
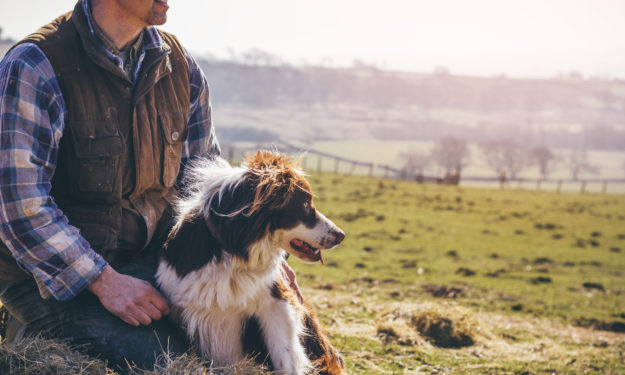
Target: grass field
535	279
437	279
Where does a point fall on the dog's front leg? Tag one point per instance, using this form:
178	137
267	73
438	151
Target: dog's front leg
282	328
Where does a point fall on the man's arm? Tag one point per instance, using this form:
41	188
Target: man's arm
201	139
39	236
32	119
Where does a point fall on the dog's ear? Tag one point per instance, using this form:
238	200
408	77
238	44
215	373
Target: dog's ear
277	179
232	221
190	246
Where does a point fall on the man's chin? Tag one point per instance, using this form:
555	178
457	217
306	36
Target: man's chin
157	18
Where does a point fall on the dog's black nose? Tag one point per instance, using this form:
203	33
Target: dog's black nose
339	235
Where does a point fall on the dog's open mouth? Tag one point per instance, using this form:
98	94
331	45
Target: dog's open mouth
306	251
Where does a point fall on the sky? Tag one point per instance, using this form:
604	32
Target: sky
525	38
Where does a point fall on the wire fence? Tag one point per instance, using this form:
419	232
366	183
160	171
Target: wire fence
319	161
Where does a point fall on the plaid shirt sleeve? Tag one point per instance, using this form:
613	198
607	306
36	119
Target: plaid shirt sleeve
201	139
32	118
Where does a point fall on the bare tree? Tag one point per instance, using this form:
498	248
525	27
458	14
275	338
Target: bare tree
545	159
577	161
415	163
506	158
452	154
493	155
259	57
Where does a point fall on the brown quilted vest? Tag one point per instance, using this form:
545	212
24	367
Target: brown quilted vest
114	129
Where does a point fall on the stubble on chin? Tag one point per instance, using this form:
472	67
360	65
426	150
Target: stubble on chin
156	18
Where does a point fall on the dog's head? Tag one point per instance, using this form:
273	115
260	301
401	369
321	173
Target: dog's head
267	198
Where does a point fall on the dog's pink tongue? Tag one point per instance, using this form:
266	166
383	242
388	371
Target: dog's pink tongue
321	258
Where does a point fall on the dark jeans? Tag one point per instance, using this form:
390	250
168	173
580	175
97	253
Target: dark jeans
86	325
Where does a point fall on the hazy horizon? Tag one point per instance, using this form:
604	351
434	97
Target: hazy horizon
524	39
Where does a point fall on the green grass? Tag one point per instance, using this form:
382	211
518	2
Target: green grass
490	249
518	259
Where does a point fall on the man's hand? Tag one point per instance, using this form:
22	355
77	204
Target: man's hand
133	300
291	276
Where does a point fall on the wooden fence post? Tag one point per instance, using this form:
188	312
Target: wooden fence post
386	171
538	184
353	168
605	187
559	186
319	164
371	170
403	173
583	189
520	183
336	166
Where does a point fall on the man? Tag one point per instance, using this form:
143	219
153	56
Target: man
98	111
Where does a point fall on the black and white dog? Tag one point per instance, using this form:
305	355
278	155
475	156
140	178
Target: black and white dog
222	264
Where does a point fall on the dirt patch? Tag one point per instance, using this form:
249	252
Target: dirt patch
540	280
495	273
466	272
452	254
441	325
600	325
352	216
442	291
546	226
596	286
406	263
542	260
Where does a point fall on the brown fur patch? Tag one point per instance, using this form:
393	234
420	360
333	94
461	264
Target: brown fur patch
325	358
277	179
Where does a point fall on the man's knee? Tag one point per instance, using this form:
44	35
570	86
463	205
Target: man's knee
120	343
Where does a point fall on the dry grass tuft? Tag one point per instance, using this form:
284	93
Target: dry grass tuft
442	325
188	364
37	356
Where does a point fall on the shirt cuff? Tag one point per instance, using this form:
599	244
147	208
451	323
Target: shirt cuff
74	278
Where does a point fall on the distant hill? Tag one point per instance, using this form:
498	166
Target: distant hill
376	104
256	102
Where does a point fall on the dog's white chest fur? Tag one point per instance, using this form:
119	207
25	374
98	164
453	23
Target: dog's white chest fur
214	302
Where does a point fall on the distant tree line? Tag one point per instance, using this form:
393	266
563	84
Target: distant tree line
505	158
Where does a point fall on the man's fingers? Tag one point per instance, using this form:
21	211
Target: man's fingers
160	302
151	310
129	319
139	314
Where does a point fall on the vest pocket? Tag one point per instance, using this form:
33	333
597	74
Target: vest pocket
174	128
97	151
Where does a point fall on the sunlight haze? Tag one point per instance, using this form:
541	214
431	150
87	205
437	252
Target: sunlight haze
531	38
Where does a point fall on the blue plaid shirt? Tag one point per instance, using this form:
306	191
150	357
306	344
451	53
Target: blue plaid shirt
33	115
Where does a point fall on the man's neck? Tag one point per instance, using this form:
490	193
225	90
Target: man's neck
115	23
